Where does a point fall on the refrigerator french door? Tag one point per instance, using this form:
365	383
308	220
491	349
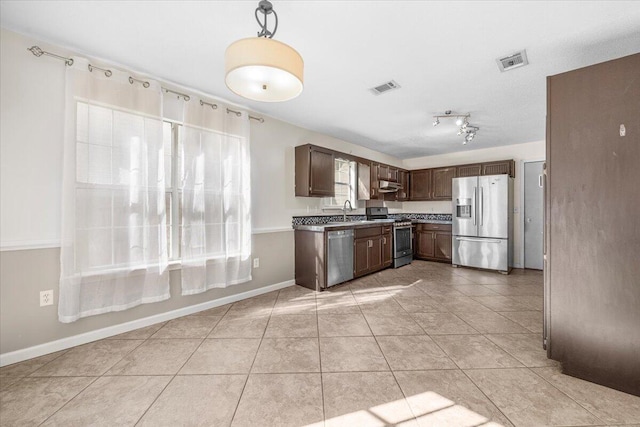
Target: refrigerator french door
483	222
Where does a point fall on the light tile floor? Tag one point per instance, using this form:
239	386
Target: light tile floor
423	345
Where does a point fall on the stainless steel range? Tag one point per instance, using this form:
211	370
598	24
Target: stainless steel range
402	244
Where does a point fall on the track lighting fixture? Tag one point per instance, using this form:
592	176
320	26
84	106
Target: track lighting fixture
462	120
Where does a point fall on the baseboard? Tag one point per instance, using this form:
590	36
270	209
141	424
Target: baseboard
87	337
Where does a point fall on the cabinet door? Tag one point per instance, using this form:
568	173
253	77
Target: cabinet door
375	253
469	170
387	249
375	193
383	172
403	194
498	168
420	185
442	183
443	245
361	257
426	244
393	174
321	173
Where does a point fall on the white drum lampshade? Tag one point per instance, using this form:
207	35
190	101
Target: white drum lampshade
263	69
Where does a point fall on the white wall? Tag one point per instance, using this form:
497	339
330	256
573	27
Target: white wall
31	133
518	152
31	152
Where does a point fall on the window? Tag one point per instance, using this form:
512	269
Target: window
116	203
345	178
146	181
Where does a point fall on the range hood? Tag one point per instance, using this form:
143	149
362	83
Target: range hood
388	186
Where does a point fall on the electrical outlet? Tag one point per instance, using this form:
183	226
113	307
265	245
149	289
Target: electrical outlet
46	298
256	263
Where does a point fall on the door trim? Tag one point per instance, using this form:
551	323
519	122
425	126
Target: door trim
521	208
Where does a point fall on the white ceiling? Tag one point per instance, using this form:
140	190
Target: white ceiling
442	53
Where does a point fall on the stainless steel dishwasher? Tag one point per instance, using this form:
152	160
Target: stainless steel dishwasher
340	256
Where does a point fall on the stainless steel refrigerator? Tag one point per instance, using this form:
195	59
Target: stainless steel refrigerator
483	222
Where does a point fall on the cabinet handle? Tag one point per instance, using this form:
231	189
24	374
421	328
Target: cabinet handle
384	240
369	243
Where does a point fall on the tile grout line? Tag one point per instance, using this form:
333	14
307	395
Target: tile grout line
566	394
488	398
385	357
92	382
244	386
324	414
456	364
173	377
70	400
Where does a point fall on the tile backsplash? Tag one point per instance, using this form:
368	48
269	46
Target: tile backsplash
324	219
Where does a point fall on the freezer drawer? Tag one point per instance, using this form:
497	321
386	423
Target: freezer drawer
478	252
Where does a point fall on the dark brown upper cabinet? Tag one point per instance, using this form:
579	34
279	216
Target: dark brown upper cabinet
442	177
403	194
469	170
315	169
375	185
498	168
420	184
393	174
383	172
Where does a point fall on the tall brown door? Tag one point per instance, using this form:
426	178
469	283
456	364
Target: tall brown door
593	228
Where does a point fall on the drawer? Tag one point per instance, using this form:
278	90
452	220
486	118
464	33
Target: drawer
435	227
368	232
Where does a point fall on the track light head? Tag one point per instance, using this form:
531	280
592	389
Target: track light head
436	122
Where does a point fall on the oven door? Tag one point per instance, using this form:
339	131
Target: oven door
402	241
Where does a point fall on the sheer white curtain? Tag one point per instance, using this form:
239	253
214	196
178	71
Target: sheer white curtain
114	236
216	198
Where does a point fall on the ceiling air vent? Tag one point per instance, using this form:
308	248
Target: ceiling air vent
515	60
385	87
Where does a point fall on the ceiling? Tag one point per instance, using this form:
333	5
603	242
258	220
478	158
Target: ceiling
441	53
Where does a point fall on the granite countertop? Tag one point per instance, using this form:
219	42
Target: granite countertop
348	225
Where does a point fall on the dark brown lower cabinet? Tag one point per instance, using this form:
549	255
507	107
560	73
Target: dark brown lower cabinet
368	250
433	242
361	257
387	247
443	245
426	244
310	265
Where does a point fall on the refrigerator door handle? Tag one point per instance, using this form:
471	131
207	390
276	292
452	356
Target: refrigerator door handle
468	239
473	204
481	206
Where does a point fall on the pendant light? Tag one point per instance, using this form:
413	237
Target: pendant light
263	69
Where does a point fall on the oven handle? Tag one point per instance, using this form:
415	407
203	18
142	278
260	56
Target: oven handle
403	227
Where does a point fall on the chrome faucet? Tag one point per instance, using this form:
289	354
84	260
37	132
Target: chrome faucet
344	210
